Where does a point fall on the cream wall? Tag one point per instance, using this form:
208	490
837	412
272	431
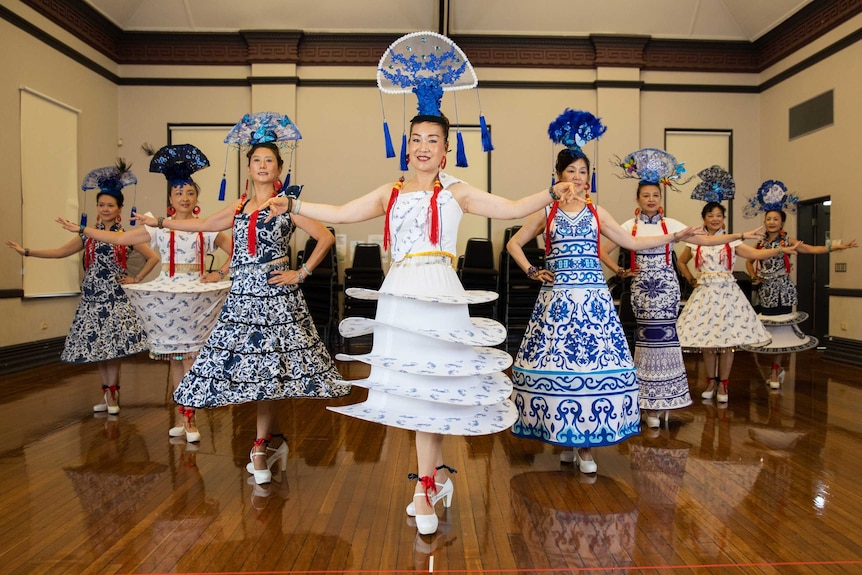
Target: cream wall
341	155
823	163
41	68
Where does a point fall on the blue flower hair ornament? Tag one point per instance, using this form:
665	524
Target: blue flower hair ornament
574	128
652	166
717	185
772	195
177	163
110	179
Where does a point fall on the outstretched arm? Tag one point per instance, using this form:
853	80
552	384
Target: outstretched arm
130	238
614	232
71	247
833	247
718	240
221	220
481	203
751	253
371	205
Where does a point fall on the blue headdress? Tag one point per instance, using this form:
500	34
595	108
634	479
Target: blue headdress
652	166
109	180
262	128
772	195
178	163
717	185
427	64
573	129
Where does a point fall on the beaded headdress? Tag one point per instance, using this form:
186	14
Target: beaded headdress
262	128
717	185
109	180
177	163
652	166
573	129
772	195
427	64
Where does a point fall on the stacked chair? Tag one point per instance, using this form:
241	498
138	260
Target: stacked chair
518	293
476	271
365	272
320	290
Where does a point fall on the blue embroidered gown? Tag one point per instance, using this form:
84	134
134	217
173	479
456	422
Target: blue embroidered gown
264	345
574	377
105	326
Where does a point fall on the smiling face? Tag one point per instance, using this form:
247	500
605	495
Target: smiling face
183	199
773	221
713	219
649	199
578	172
264	165
427	146
108	208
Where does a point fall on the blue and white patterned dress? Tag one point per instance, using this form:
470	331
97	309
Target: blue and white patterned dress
264	345
105	326
662	380
718	317
179	311
574	378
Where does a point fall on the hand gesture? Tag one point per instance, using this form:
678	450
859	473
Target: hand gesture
212	277
792	248
759	233
850	244
69	226
145	219
15	247
688	232
283	277
277	206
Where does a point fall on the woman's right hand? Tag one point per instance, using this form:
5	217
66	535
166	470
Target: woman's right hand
69	226
15	247
146	219
277	206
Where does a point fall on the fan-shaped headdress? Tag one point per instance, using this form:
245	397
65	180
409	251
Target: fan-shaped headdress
427	64
177	163
652	166
262	128
772	195
717	185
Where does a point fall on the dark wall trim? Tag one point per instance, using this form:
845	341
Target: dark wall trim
844	292
26	355
843	350
11	293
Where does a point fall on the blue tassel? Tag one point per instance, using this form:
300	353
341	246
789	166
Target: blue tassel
84	219
132	216
594	189
461	155
286	182
487	146
390	150
403	152
222	188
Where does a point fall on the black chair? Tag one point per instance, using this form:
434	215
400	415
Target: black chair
627	318
478	273
320	291
518	293
366	272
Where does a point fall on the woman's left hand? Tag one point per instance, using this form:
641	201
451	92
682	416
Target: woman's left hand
688	232
850	244
544	276
283	277
277	206
759	233
126	280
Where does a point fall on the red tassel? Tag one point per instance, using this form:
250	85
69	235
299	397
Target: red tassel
201	252
598	224
633	256
172	261
435	213
551	215
698	259
252	232
728	254
392	198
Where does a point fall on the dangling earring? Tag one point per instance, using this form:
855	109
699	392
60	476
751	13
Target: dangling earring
443	163
408	159
171	210
196	210
119	218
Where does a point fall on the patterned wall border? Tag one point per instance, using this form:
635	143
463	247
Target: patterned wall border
87	24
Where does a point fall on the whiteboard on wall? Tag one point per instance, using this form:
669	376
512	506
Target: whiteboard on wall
698	149
209	139
49	187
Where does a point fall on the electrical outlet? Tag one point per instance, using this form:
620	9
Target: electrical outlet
43	326
841	267
843	326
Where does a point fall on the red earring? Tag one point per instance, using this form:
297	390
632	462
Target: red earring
119	218
408	159
171	210
443	163
196	210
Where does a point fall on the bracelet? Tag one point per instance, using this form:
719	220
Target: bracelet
532	272
742	236
220	273
300	275
621	272
81	230
554	196
289	205
829	249
306	270
161	222
675	237
296	207
780	251
26	252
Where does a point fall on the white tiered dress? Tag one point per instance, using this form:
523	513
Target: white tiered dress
431	369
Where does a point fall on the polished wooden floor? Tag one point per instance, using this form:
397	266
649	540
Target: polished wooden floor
770	484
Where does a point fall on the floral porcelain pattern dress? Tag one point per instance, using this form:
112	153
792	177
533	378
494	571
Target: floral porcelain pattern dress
574	377
718	316
264	345
662	380
432	369
178	311
105	326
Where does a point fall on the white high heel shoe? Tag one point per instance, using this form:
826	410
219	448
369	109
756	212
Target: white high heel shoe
265	475
444	492
426	524
776	384
584	465
111	409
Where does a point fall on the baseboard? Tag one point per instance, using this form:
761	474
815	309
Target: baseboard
843	350
26	355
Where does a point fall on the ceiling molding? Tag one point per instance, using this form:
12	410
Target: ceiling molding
296	47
